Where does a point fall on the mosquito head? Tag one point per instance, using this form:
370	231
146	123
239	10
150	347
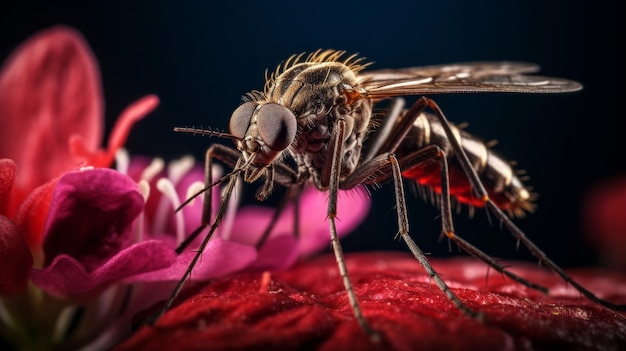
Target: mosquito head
263	129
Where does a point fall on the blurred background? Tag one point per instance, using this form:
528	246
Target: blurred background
201	57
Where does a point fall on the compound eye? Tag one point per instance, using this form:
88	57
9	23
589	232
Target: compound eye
240	119
276	125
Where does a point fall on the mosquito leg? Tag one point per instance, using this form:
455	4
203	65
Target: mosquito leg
206	217
474	251
335	154
403	223
502	217
296	213
364	173
403	124
229	156
433	152
383	132
543	258
225	154
293	193
388	140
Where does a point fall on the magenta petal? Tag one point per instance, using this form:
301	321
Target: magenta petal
137	165
352	207
67	277
220	258
90	216
251	221
277	254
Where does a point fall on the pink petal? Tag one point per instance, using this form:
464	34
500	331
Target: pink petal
277	254
133	113
82	148
91	215
251	222
137	165
314	229
219	259
67	277
49	89
15	258
352	207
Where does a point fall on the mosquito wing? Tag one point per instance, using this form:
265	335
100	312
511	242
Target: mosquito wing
472	77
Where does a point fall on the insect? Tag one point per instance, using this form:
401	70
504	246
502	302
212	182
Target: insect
313	124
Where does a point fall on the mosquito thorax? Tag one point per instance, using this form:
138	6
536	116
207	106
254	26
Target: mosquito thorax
263	129
319	94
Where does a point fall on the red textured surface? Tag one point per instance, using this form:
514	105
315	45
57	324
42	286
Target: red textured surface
306	308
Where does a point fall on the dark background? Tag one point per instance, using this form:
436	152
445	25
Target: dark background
200	57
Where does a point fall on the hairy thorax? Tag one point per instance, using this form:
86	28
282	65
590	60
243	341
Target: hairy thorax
319	95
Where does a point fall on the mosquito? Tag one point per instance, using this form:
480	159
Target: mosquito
313	124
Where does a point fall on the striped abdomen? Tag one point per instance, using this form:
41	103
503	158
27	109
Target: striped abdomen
505	188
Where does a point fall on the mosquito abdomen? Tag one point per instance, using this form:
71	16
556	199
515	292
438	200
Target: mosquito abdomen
501	181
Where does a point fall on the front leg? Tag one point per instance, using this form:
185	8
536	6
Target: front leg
331	173
231	179
230	157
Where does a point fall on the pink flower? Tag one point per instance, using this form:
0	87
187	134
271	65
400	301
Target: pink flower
51	111
89	241
81	233
64	229
233	247
158	231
